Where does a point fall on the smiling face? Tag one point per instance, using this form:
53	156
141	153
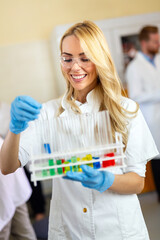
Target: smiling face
79	70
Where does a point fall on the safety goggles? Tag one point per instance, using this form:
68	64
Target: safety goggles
68	62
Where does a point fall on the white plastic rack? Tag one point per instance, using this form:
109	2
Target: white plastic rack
49	161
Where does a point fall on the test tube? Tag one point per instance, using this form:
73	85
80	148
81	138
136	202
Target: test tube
50	161
74	160
67	168
59	170
44	173
79	166
96	165
89	158
63	160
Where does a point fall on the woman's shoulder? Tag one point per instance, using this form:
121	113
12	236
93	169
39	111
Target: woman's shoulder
128	104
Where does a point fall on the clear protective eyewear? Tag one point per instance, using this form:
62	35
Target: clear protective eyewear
68	62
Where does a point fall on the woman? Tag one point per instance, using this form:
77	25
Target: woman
105	205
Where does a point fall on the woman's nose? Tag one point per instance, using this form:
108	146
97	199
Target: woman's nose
76	65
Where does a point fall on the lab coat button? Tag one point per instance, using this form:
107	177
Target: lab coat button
84	210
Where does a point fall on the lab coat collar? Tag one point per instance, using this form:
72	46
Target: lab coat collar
93	101
64	102
141	57
150	60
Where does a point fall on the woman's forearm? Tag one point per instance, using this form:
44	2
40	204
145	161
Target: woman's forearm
9	153
128	183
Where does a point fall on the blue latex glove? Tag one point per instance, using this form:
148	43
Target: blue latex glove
92	178
23	110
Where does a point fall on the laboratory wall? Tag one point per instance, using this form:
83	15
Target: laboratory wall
26	63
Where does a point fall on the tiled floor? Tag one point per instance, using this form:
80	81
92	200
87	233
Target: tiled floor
151	213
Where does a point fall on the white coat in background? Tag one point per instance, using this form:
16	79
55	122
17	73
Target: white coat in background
109	215
143	80
15	189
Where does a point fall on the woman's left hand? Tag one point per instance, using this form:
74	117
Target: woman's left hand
92	178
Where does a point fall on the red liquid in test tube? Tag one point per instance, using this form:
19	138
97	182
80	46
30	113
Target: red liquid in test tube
108	163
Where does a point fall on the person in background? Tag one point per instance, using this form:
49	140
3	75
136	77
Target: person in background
92	204
37	199
143	80
14	193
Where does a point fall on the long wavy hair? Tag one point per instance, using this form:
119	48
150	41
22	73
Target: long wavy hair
109	86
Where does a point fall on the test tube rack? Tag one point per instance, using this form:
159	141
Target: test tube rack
55	165
53	161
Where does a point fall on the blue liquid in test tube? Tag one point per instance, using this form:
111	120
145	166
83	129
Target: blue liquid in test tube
96	165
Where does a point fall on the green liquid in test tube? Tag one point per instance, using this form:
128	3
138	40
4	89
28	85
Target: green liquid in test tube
52	170
74	160
44	173
50	162
59	170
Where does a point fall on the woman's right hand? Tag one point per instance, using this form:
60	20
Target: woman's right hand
23	110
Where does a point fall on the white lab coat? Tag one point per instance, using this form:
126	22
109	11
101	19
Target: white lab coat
15	189
143	81
109	215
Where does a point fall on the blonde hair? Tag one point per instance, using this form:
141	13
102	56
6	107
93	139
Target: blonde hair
96	49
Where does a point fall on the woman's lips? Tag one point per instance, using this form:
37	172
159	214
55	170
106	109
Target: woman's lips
78	78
